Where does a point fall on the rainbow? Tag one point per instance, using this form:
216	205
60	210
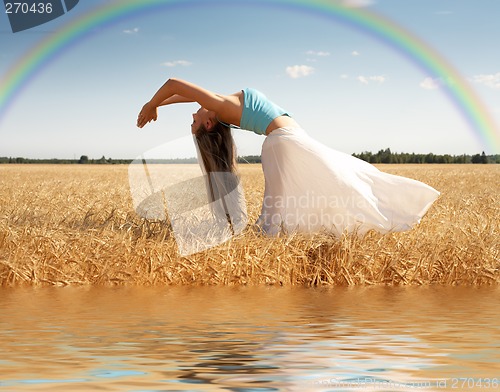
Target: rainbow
432	64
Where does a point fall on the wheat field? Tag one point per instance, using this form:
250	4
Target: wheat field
75	225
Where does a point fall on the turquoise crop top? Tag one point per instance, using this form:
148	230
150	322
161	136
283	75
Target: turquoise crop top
258	111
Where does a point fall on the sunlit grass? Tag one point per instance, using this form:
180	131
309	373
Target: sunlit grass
75	224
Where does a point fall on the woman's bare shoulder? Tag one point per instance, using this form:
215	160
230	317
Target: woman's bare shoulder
232	108
236	98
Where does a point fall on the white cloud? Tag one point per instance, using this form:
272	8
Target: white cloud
183	63
298	71
344	76
135	30
319	54
380	79
367	79
355	53
357	3
431	84
492	81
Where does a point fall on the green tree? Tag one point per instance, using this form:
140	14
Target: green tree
476	158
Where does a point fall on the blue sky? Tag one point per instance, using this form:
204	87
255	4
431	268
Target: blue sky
347	89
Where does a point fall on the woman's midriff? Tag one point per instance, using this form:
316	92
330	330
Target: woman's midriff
280	122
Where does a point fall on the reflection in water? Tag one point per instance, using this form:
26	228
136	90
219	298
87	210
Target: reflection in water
247	338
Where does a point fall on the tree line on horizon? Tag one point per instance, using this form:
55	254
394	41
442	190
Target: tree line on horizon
387	156
382	156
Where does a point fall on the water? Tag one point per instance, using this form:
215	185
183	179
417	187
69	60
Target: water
249	339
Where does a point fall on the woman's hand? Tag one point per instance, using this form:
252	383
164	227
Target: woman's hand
147	114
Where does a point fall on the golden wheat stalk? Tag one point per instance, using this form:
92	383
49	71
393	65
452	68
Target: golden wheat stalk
63	225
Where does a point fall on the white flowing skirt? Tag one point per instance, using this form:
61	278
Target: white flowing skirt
310	187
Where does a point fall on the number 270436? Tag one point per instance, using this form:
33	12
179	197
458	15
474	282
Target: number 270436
25	8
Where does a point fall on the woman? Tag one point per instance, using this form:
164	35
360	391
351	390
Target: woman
308	186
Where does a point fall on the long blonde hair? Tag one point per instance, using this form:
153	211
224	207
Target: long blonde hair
217	148
218	153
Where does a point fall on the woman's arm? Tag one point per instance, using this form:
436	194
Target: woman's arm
175	99
189	91
227	108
